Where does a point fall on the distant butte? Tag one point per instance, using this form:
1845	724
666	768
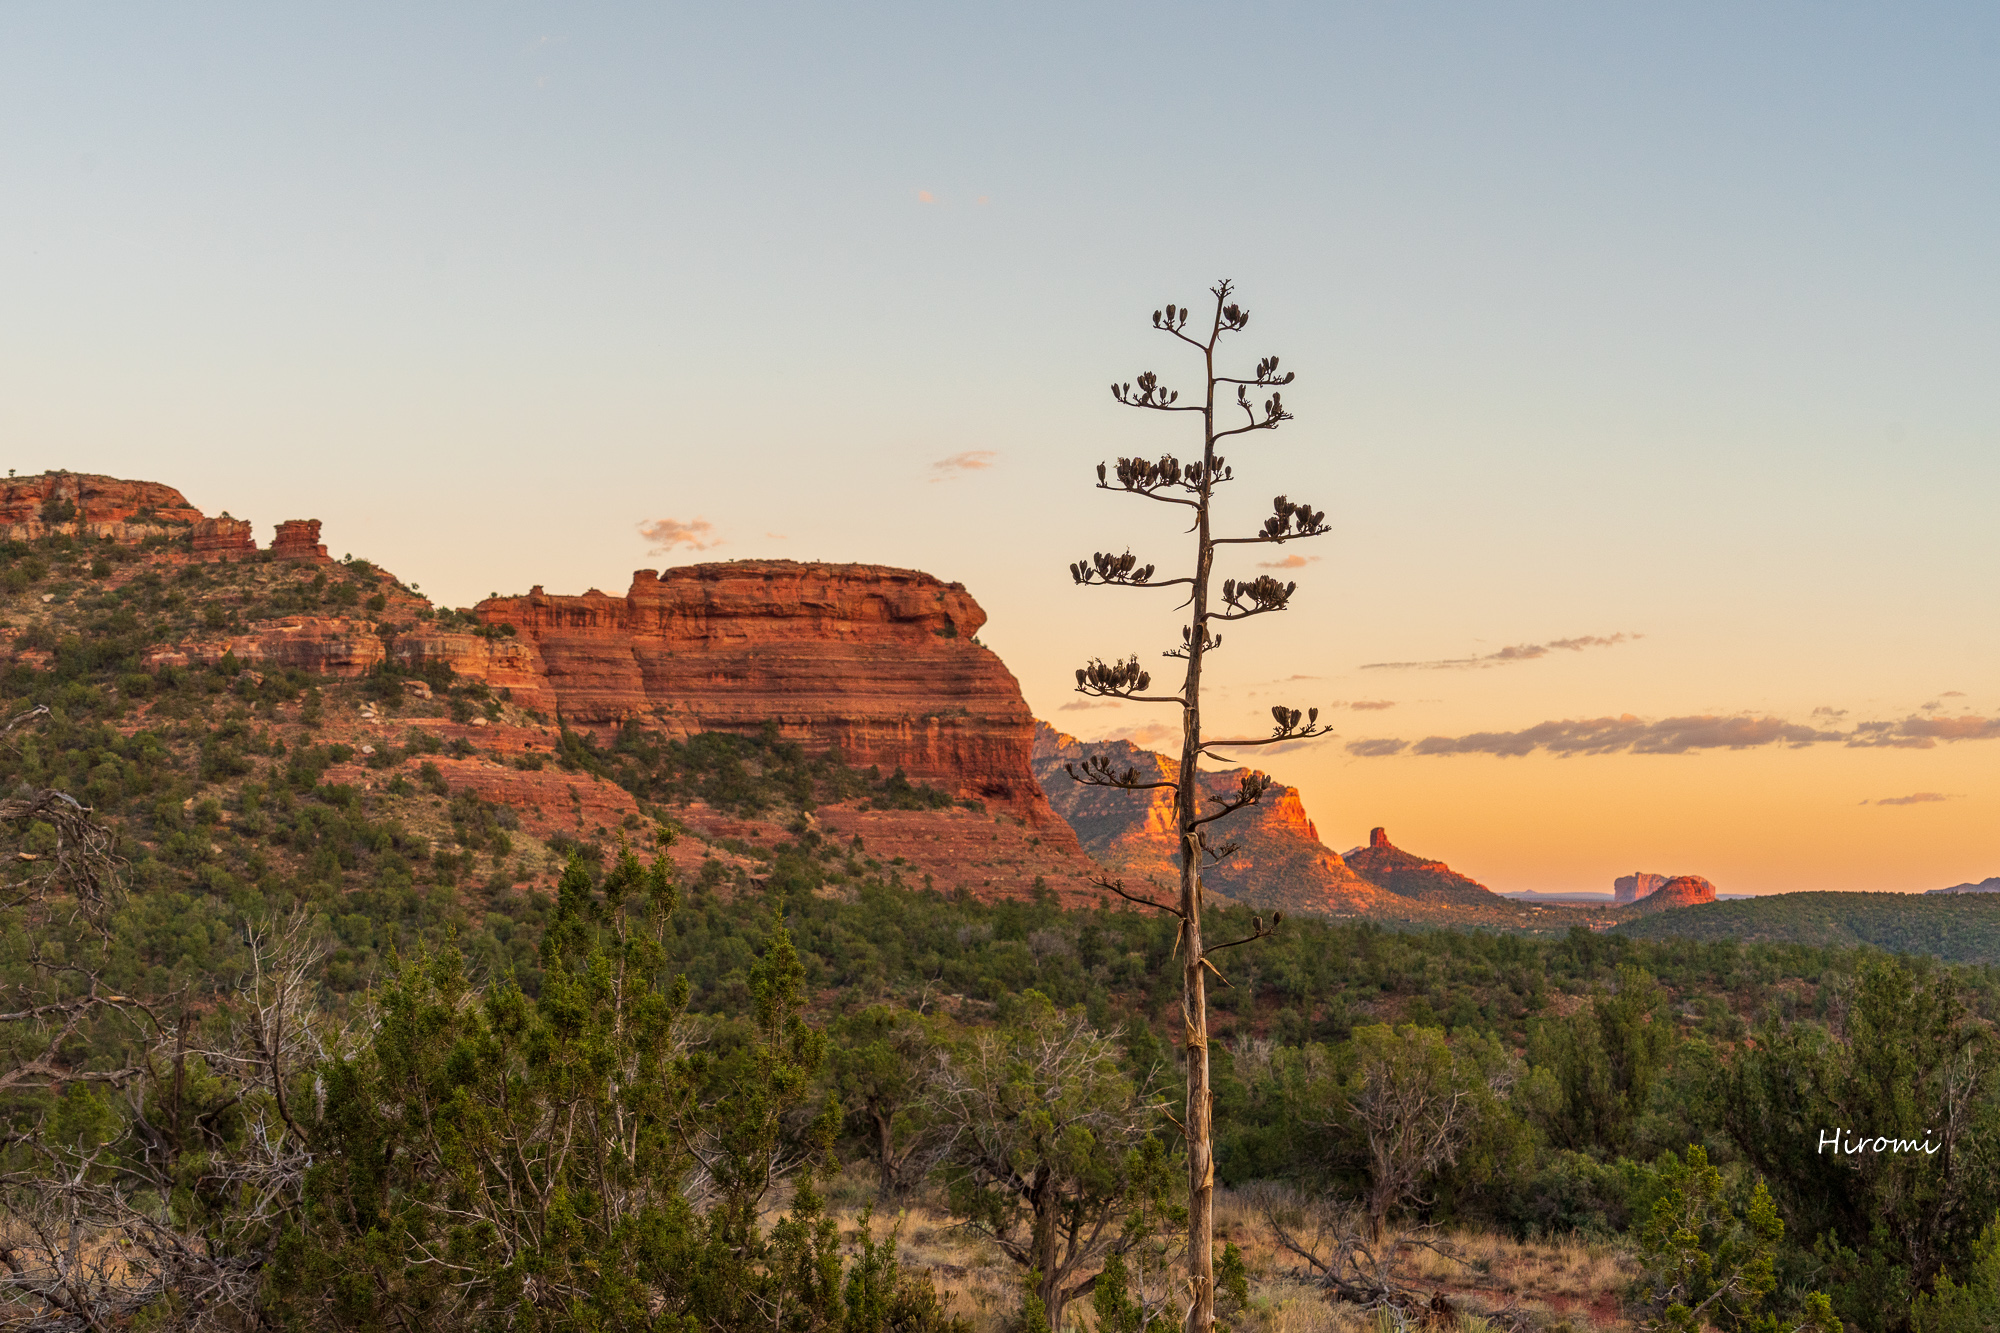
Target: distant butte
1680	891
1383	864
1631	888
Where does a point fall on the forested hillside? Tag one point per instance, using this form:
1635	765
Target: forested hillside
1960	928
301	1037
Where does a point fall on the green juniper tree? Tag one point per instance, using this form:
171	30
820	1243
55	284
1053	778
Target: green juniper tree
567	1163
1192	485
1050	1156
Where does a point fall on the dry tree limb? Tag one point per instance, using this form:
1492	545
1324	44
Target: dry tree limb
84	867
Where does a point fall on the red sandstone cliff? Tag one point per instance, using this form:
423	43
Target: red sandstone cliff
879	662
1390	867
328	645
1632	887
1280	861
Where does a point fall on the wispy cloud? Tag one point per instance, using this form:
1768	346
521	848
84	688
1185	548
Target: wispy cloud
1914	798
1079	705
1293	561
664	534
972	460
1371	705
1519	652
1376	748
1923	733
1685	735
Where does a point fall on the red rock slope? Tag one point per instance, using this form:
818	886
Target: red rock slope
1280	861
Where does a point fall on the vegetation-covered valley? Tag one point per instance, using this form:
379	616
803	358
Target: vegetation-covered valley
302	1037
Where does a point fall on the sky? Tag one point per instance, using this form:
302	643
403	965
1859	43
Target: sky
1645	358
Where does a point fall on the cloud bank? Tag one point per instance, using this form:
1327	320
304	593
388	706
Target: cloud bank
1627	734
1519	652
1914	798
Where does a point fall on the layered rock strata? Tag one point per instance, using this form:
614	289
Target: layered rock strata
327	645
298	539
223	538
877	662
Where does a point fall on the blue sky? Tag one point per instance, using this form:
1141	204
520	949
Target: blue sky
1672	322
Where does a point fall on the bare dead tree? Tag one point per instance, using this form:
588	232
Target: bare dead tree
174	1202
1193	486
81	870
63	879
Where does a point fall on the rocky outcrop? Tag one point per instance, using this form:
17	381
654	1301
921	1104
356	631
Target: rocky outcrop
878	662
1387	866
1680	891
1631	888
223	538
1279	861
83	504
298	539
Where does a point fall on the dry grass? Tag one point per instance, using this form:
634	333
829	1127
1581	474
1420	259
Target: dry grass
1494	1284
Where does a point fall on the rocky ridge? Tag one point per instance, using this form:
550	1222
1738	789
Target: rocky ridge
1279	862
139	513
879	664
1389	867
1991	885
